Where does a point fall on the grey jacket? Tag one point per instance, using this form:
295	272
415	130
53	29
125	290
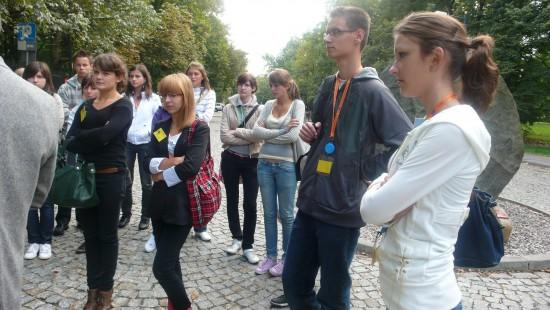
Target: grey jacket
230	135
29	145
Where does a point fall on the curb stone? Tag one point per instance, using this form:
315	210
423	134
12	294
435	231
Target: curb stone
508	263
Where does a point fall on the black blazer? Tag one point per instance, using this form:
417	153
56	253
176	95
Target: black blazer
171	204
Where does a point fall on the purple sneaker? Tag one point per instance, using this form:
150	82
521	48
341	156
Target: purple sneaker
265	265
277	270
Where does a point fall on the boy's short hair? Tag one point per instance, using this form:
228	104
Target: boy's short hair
82	54
356	18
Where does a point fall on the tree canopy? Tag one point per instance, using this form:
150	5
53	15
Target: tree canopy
165	35
521	30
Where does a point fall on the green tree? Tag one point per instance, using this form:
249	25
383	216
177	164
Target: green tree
173	46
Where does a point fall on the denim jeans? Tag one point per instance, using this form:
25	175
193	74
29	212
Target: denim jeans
233	167
133	151
313	245
277	183
40	228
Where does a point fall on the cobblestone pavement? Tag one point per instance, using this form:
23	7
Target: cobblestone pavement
530	186
217	281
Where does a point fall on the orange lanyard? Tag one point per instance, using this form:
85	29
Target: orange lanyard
440	104
336	115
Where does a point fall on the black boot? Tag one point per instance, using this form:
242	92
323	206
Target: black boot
124	220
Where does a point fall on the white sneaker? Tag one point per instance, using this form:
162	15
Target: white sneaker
251	257
32	251
150	245
203	235
234	247
45	251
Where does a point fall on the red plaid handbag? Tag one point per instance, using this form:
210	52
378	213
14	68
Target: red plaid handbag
204	189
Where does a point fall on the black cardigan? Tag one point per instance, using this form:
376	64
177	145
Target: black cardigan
171	204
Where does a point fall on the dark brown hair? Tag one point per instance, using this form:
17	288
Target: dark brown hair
147	86
470	59
356	18
247	77
87	81
111	62
82	54
38	66
282	77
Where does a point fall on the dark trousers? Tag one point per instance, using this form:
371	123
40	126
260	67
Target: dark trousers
166	266
234	167
100	226
63	215
40	228
313	245
133	151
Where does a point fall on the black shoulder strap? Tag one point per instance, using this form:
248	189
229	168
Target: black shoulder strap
248	116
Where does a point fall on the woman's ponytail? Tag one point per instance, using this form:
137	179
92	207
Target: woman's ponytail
480	74
293	91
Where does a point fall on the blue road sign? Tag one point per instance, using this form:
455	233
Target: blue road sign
26	32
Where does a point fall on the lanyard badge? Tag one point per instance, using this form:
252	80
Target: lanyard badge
324	165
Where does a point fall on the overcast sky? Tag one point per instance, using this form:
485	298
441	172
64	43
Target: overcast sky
260	27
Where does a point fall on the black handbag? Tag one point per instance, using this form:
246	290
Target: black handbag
73	183
480	242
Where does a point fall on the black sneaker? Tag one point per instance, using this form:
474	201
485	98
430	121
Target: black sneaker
59	229
81	249
279	301
143	224
124	220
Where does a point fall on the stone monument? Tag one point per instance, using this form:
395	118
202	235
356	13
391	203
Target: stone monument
502	122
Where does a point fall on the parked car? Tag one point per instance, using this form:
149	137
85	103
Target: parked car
219	106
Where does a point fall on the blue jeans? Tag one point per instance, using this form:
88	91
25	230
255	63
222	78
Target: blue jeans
315	244
40	229
277	182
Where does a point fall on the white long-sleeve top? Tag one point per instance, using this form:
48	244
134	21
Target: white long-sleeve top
140	130
433	171
205	103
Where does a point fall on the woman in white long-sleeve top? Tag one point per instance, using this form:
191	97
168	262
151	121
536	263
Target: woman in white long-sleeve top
205	99
423	198
278	125
145	104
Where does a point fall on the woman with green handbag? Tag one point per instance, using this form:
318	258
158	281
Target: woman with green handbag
98	135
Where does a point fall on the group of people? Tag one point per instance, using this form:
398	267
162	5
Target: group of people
366	164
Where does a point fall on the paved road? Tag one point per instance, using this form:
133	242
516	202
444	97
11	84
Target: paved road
217	281
530	186
537	159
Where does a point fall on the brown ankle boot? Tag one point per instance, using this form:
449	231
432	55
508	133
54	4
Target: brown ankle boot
92	299
104	300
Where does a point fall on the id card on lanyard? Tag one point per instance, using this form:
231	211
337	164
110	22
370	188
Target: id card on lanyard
325	163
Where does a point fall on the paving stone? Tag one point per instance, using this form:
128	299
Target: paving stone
214	280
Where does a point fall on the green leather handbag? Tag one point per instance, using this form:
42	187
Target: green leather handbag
73	183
